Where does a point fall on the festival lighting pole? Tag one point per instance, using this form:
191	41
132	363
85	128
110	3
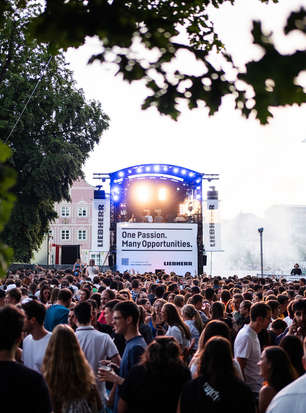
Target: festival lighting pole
260	230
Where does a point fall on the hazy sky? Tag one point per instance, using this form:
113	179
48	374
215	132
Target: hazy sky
258	165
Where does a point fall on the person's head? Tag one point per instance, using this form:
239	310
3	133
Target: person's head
237	300
84	294
13	296
197	301
65	368
45	294
275	367
209	294
125	294
299	311
106	296
135	285
91	262
217	310
274	305
216	362
11	325
244	308
171	316
125	317
178	301
225	296
283	302
162	354
108	311
82	312
260	316
34	315
65	297
278	326
294	349
213	328
158	304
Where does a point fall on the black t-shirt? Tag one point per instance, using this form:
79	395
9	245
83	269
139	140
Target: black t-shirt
296	271
22	389
151	392
199	396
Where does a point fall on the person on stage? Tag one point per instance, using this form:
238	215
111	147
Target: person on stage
296	270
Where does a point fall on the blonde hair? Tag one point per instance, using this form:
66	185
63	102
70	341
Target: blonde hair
67	372
190	312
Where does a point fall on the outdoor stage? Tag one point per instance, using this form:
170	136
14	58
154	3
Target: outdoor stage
153	217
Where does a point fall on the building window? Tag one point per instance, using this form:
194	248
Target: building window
82	234
82	212
65	211
65	234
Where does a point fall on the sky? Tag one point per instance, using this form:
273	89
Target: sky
259	166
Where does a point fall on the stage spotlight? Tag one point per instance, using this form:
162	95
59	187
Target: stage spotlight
175	170
162	194
116	190
143	193
139	170
121	174
183	171
198	181
191	174
116	198
165	168
148	168
156	168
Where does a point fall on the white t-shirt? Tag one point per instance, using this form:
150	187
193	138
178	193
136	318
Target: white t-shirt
34	351
174	331
96	346
291	398
247	346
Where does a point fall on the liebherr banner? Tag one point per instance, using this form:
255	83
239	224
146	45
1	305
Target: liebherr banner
211	224
100	224
144	247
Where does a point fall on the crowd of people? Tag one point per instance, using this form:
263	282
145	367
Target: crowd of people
82	341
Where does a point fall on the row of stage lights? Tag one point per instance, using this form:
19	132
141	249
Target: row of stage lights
162	169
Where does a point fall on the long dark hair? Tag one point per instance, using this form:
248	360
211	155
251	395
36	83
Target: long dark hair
281	372
217	311
294	349
216	362
162	354
174	319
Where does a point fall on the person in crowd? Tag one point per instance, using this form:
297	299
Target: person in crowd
298	326
291	398
217	387
13	296
106	296
77	268
156	321
176	326
144	328
96	346
35	343
247	346
277	371
277	327
213	328
21	389
193	320
108	327
2	298
243	317
92	269
58	312
84	294
197	301
125	320
45	294
70	379
154	385
294	349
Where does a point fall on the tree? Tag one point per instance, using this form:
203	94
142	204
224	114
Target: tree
155	25
53	137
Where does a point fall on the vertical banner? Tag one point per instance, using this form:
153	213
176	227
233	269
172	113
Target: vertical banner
211	225
100	225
